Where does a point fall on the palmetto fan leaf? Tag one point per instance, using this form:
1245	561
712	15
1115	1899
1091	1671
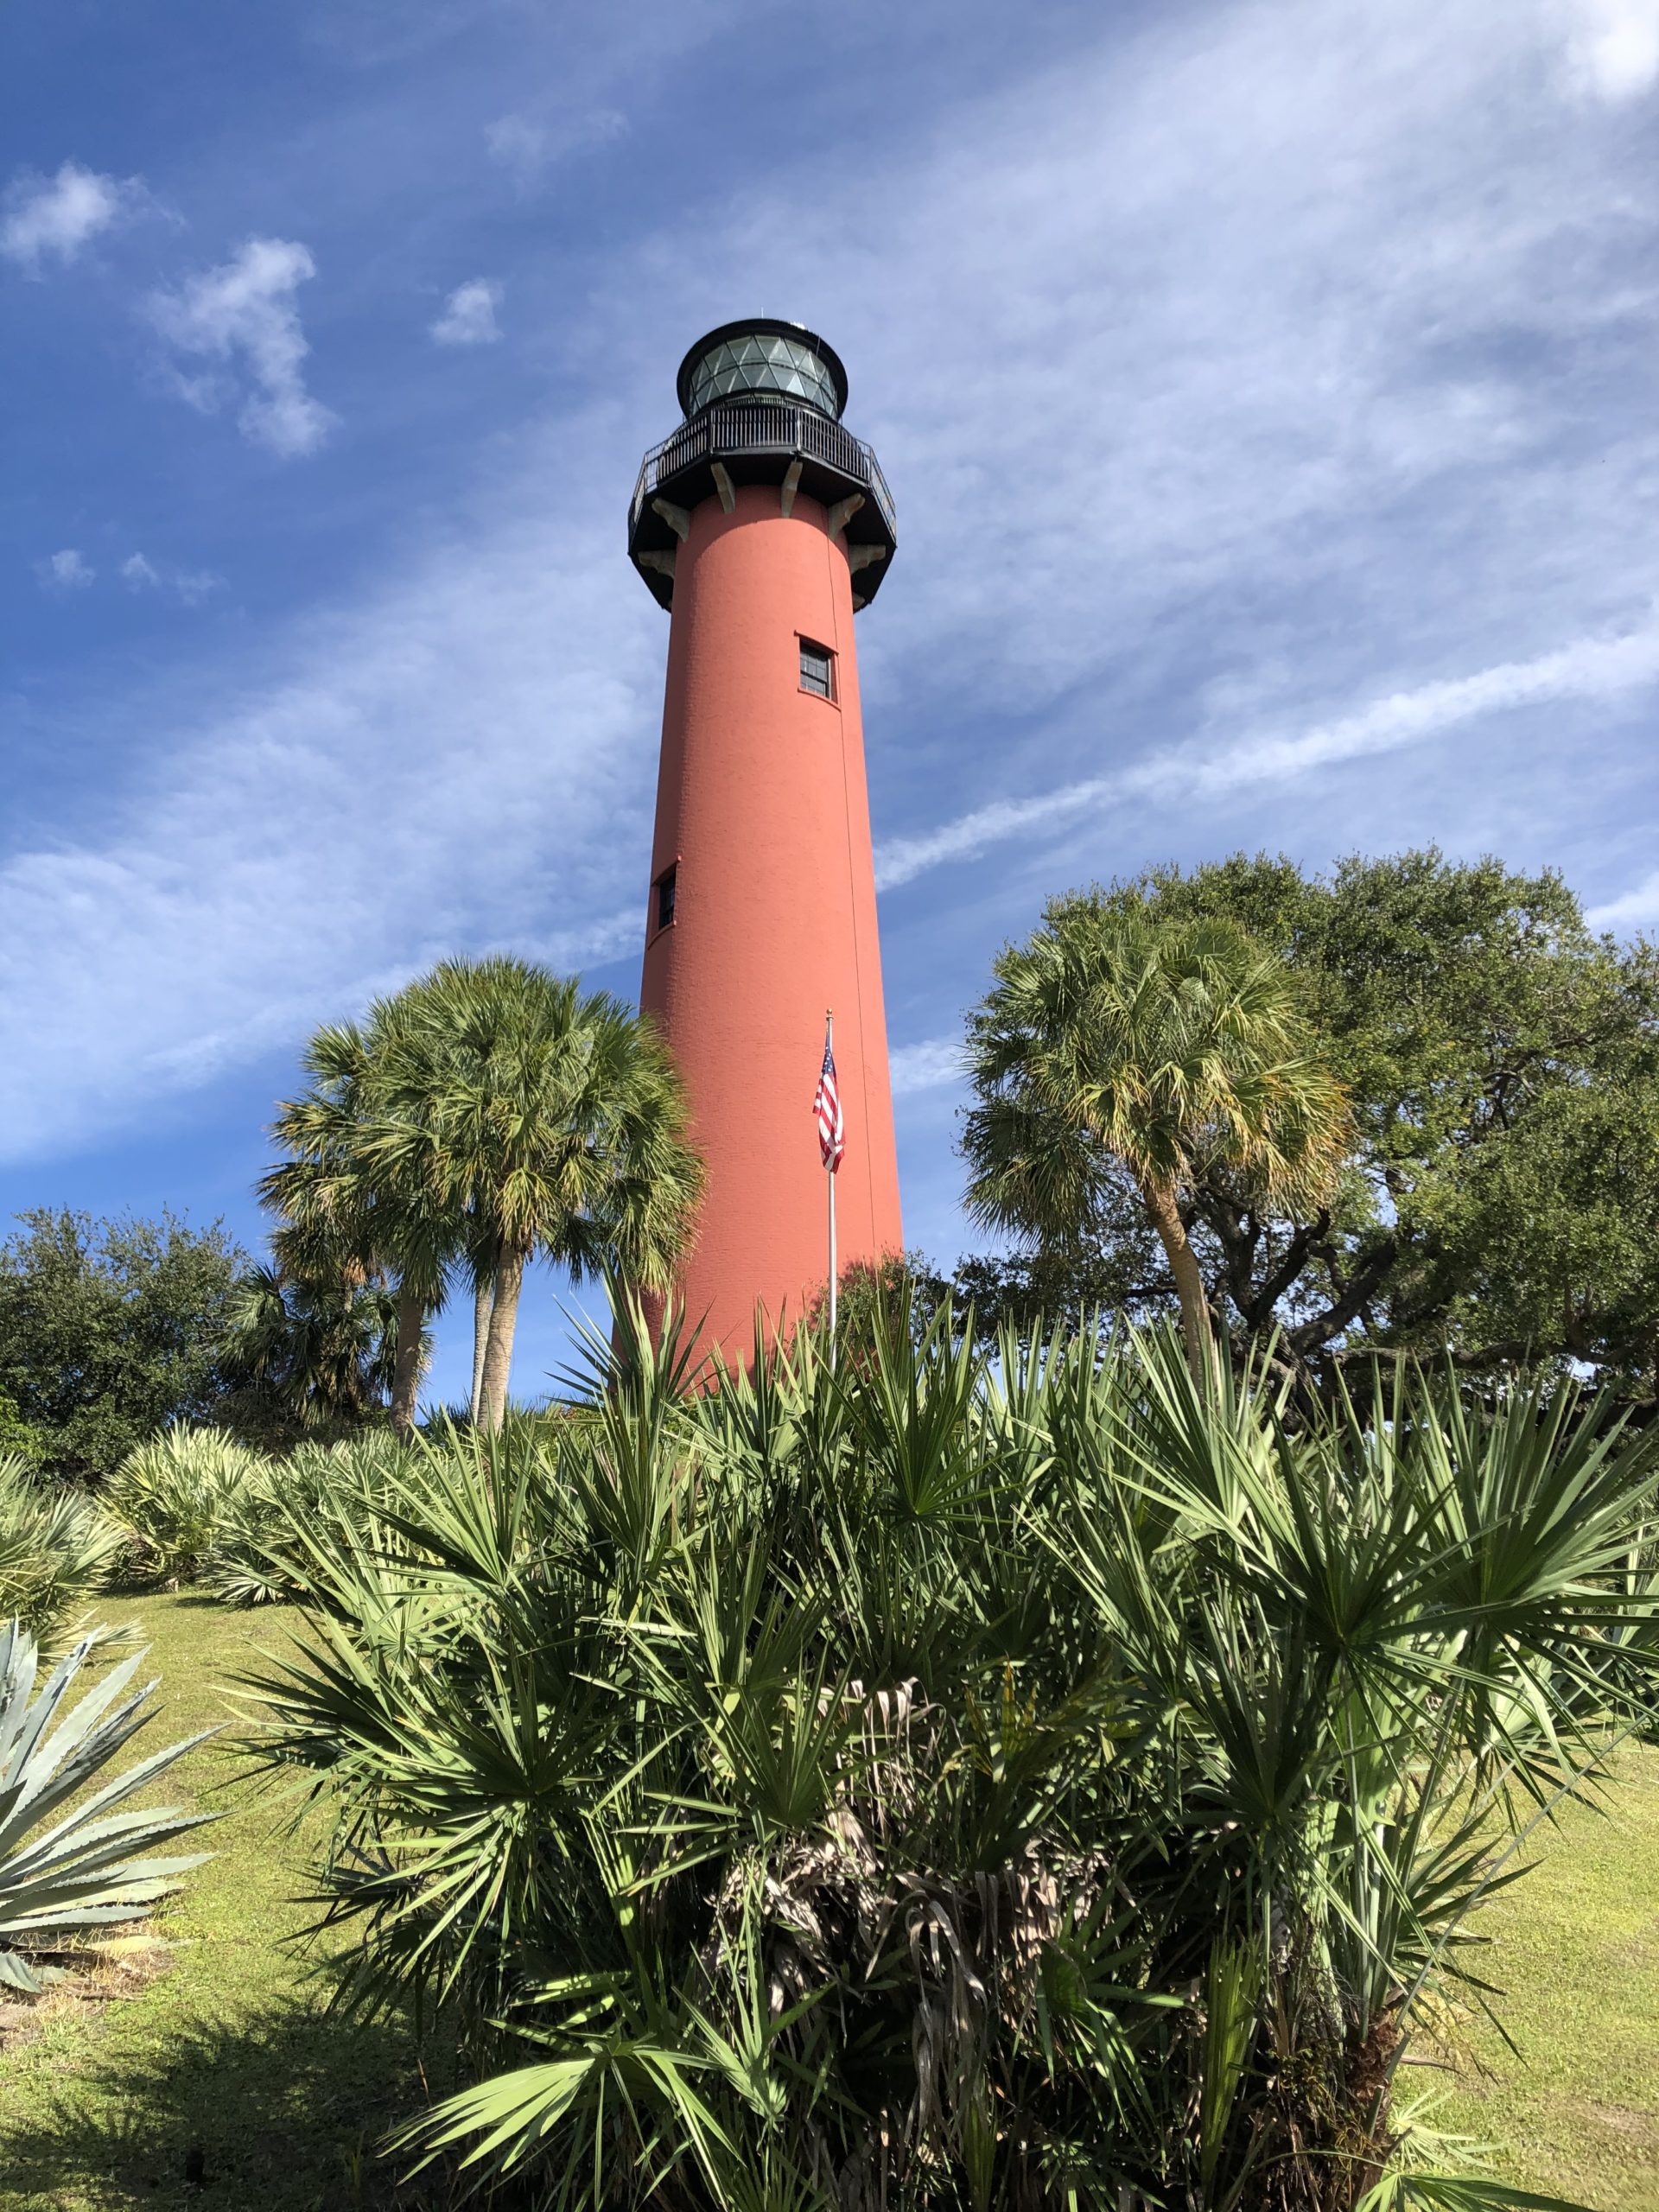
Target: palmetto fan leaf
941	1781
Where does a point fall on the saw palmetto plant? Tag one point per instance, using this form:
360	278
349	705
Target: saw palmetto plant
71	1863
55	1550
170	1500
1038	1781
261	1544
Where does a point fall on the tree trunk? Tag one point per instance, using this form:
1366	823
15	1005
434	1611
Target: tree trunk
1166	1216
406	1374
483	1301
497	1352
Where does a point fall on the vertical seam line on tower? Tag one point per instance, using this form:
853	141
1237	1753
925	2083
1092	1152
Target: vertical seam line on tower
852	901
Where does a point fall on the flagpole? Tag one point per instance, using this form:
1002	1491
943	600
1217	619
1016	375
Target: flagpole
830	1176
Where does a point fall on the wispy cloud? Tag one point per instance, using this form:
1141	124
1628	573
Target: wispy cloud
56	217
1634	910
189	586
526	146
1241	383
244	315
1588	668
330	819
1306	359
65	571
926	1066
588	943
469	317
1613	46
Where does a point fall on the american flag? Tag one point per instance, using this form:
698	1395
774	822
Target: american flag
832	1129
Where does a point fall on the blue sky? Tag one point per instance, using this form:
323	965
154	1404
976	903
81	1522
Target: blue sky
1268	392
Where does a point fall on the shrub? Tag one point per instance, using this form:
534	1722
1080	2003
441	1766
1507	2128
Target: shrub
63	1872
19	1439
110	1330
169	1501
263	1544
55	1550
957	1783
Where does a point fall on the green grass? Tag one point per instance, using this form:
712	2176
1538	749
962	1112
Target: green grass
1576	1946
227	2054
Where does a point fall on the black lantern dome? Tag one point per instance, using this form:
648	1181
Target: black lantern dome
762	360
762	401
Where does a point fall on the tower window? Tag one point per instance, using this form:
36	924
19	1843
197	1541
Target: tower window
664	887
818	669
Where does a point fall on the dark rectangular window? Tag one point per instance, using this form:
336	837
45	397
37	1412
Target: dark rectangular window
818	669
665	897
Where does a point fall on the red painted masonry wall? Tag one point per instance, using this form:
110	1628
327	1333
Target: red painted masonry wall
763	812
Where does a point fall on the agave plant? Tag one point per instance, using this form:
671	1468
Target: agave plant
55	1550
170	1500
1015	1782
69	1863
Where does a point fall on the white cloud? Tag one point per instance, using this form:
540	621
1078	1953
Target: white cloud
65	571
469	317
1613	46
189	586
461	759
588	943
926	1066
193	585
58	215
517	144
1589	668
1634	910
1254	365
244	311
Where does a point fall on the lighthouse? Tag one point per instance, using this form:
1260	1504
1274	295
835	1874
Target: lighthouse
762	524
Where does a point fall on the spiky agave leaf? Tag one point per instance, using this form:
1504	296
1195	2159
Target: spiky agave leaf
89	1867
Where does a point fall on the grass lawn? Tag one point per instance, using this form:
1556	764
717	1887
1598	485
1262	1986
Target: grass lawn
1576	1947
226	2055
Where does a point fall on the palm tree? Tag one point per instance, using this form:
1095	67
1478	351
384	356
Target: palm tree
335	1190
317	1351
1164	1046
538	1121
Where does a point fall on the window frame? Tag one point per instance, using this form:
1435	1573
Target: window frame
666	881
831	695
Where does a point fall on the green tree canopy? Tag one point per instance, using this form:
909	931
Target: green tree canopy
544	1121
110	1329
311	1353
489	1113
355	1207
1124	1043
1502	1065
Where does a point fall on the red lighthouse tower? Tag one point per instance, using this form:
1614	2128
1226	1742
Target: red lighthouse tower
762	524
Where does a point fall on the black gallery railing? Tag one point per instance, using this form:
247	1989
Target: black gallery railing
763	426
